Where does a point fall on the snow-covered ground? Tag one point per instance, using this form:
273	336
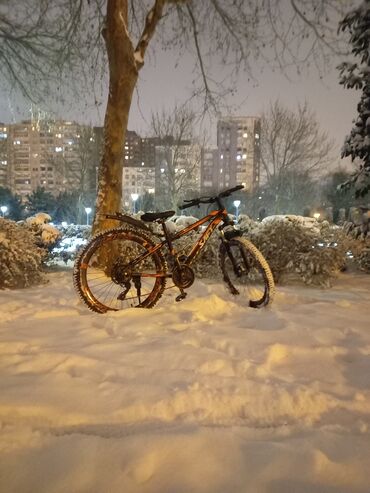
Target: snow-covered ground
200	396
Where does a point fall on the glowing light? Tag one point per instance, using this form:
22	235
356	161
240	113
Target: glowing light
236	205
88	211
134	197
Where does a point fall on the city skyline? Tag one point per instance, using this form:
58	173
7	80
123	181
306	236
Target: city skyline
163	84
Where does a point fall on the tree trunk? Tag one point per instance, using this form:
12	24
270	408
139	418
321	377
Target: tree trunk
123	74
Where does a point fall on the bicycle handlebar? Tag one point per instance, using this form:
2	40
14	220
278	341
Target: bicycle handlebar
209	200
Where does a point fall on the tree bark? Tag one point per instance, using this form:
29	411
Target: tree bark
125	61
123	75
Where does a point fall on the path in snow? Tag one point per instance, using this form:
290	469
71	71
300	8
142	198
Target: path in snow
201	396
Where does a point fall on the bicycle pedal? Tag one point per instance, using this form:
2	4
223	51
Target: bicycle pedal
181	296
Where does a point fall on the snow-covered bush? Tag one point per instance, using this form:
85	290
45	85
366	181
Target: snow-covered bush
20	257
73	236
363	259
245	223
311	250
46	234
185	221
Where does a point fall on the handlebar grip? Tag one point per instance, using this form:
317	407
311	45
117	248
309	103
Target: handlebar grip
228	192
190	203
238	187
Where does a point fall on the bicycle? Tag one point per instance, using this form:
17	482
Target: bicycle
126	266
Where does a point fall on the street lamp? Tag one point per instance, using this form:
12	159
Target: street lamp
4	209
236	205
88	211
134	197
317	215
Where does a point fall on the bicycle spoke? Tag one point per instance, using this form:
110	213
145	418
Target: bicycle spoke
105	278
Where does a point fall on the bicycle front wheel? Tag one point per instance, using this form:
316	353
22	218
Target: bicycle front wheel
246	272
107	275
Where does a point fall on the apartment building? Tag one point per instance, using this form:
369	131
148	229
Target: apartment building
3	155
57	155
209	172
137	181
238	146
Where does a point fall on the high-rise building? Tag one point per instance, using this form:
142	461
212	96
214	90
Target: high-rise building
137	180
56	155
238	155
3	155
209	171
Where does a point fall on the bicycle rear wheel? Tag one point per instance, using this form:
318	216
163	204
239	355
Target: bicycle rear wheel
246	272
106	278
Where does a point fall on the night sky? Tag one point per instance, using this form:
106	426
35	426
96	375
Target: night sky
162	84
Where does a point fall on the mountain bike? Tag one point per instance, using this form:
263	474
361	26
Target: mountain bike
129	266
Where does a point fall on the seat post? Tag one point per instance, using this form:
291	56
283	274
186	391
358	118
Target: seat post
167	235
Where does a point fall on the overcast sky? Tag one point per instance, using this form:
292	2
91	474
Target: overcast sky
162	84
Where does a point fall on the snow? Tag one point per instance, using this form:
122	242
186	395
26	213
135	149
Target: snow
203	396
138	57
38	219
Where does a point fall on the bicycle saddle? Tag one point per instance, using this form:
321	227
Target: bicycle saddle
153	216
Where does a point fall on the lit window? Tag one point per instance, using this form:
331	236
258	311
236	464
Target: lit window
126	157
238	157
58	149
59	136
221	170
245	135
244	156
17	142
257	136
222	156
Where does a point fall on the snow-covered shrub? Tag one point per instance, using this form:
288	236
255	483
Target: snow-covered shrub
305	248
185	221
363	259
46	234
20	257
73	237
245	223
